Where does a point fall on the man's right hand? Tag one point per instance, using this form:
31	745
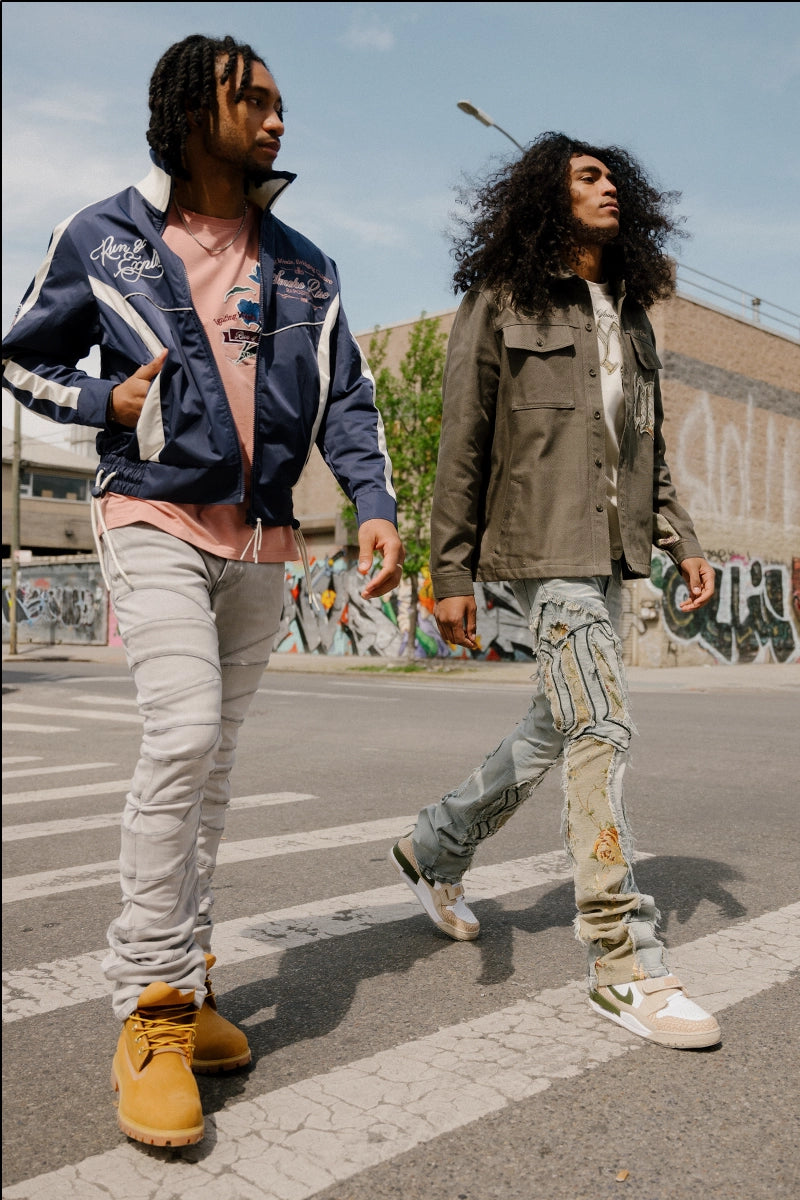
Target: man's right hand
130	395
457	618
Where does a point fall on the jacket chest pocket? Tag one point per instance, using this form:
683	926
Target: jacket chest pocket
541	365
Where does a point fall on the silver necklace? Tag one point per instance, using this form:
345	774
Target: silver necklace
195	238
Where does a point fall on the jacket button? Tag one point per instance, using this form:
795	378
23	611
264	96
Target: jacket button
599	507
589	326
539	342
596	415
598	462
592	372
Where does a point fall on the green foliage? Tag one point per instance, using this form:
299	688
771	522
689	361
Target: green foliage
410	403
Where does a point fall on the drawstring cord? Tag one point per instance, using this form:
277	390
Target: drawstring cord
300	542
255	542
99	527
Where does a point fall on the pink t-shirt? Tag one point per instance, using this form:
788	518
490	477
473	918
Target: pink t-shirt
226	292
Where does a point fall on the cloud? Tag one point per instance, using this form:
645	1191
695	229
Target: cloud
369	36
47	176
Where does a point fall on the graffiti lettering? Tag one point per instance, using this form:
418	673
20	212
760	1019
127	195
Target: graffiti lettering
749	619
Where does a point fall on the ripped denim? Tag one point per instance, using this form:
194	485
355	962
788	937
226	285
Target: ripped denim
580	710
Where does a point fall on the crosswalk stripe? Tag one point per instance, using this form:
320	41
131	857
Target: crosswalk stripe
50	986
92	766
17	727
69	879
66	793
36	829
294	1142
100	714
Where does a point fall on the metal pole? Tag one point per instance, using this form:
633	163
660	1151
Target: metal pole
14	541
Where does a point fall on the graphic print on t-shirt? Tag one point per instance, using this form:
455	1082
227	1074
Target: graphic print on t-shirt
240	339
608	336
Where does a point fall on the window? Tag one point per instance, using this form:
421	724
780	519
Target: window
53	487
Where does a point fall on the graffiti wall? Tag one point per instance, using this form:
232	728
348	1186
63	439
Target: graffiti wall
58	603
345	623
754	616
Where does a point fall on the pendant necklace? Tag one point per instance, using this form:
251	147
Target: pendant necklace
209	249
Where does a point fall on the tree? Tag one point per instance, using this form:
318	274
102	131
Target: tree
410	402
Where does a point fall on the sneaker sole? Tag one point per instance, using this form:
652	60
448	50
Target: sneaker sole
420	890
700	1040
155	1137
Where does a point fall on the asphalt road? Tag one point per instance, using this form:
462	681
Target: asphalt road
391	1063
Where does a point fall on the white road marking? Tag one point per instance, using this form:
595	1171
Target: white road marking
69	879
262	691
18	758
50	986
34	829
294	1142
66	793
92	766
100	714
15	727
126	700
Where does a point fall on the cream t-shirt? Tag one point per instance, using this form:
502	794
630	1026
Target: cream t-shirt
609	345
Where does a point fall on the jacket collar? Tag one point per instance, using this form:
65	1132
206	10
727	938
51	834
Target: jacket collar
156	187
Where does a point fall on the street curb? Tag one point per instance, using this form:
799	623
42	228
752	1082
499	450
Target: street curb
706	678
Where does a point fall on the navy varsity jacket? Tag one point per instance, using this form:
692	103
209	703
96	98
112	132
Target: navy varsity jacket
110	281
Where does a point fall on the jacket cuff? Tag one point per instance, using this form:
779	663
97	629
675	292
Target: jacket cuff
93	402
685	548
372	506
445	586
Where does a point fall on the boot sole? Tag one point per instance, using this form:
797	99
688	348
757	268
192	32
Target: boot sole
222	1065
156	1137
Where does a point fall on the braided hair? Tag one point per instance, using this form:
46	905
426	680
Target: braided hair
520	236
184	82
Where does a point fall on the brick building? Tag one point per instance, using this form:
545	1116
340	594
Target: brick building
731	391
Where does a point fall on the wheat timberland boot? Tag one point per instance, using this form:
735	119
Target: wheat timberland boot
218	1045
158	1098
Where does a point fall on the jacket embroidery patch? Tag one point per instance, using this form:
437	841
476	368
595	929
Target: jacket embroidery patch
128	262
644	415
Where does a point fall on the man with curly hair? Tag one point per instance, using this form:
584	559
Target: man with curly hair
552	476
224	357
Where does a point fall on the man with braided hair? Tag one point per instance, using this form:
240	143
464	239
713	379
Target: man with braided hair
225	356
552	476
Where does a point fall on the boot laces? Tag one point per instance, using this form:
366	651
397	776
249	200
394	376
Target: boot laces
211	999
167	1028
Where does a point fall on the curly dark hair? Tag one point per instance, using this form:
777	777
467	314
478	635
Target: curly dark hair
185	81
522	235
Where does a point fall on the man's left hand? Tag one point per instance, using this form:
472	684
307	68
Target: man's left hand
380	537
698	575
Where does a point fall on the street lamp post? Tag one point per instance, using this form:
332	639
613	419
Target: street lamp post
471	111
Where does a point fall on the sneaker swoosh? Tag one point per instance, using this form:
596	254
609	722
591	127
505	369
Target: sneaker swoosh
623	997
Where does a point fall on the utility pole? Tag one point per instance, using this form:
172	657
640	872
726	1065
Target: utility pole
14	541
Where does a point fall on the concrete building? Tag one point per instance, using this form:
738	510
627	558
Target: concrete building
54	497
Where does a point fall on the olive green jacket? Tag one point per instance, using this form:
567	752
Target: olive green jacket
521	482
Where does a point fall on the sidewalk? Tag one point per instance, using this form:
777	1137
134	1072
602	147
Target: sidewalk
710	678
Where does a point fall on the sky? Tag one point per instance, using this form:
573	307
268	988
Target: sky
706	96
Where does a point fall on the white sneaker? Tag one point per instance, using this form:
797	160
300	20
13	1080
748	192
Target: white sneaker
658	1009
443	902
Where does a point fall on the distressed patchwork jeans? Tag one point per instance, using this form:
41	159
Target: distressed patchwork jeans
580	710
197	631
